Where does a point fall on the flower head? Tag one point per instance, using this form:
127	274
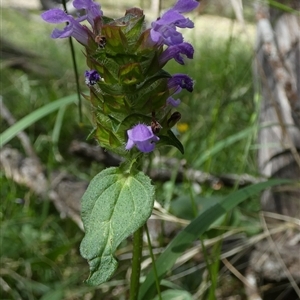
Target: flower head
176	52
142	137
179	82
164	31
91	77
93	9
73	28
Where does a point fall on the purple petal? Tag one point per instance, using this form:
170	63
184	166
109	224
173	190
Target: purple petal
142	137
55	16
166	34
184	6
140	133
186	23
93	9
170	17
176	52
155	36
91	77
81	4
173	102
66	32
129	144
145	147
181	81
73	28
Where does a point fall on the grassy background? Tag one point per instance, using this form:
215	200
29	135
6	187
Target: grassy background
39	250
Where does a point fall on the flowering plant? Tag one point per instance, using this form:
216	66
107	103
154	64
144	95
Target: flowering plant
132	100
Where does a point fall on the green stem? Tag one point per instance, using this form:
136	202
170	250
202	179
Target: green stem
75	70
136	263
153	263
76	79
207	261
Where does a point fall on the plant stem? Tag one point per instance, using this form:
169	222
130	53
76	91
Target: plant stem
76	79
153	263
136	263
75	70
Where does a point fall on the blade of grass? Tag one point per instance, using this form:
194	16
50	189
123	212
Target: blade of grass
56	133
195	229
38	114
283	7
223	144
230	141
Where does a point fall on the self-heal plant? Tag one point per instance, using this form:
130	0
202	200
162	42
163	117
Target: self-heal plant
132	100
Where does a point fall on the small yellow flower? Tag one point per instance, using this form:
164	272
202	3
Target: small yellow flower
182	127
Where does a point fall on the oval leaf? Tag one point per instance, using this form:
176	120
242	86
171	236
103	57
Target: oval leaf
113	207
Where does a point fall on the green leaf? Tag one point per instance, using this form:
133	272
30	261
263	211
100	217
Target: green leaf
175	295
113	207
38	114
194	230
171	140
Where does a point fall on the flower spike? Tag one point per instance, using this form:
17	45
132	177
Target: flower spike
131	58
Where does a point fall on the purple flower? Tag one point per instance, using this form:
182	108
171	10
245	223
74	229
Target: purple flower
173	102
164	29
91	77
180	81
142	137
92	8
73	28
183	6
176	52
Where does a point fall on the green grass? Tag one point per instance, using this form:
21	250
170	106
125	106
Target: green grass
220	106
39	251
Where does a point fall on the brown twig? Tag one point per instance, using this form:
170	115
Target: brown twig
162	168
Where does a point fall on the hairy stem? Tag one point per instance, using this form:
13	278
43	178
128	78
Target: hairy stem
136	263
